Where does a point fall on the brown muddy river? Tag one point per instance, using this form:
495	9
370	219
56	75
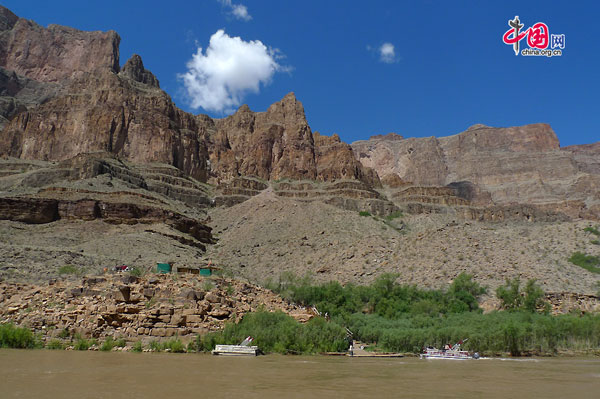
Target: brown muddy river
81	375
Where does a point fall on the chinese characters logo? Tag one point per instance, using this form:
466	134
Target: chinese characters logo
538	39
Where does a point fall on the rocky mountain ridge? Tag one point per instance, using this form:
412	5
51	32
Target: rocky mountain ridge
97	106
67	95
98	167
500	166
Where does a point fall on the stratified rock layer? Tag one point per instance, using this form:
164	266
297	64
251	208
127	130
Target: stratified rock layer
63	94
89	105
500	165
55	53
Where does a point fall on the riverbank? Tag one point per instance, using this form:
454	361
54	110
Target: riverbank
181	313
124	306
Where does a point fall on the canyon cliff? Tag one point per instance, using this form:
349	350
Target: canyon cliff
522	164
63	93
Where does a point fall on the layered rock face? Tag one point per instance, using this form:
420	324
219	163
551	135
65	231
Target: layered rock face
55	53
146	308
279	144
507	165
90	105
62	93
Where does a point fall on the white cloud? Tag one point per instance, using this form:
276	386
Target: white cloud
218	79
387	53
239	11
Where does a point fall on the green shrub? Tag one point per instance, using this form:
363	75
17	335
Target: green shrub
394	215
108	345
592	230
510	295
513	332
174	345
364	213
155	346
278	332
384	296
192	346
64	334
68	269
405	318
136	271
82	344
17	337
512	298
595	242
55	344
534	297
137	346
464	290
588	262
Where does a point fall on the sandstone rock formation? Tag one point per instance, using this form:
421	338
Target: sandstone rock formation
66	95
55	53
106	112
279	144
134	69
79	101
125	306
501	165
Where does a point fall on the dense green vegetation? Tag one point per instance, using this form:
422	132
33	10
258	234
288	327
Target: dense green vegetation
173	345
278	332
512	298
110	343
395	317
137	346
55	344
17	337
514	332
82	344
588	262
405	318
384	297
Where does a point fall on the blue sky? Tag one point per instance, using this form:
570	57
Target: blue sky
449	68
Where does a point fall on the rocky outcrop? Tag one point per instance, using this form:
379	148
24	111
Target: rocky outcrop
392	180
567	302
125	306
42	210
18	93
435	195
90	105
278	144
28	210
335	161
134	69
493	165
587	157
106	112
63	94
55	53
351	195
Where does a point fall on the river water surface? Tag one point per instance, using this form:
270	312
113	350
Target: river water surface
70	374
